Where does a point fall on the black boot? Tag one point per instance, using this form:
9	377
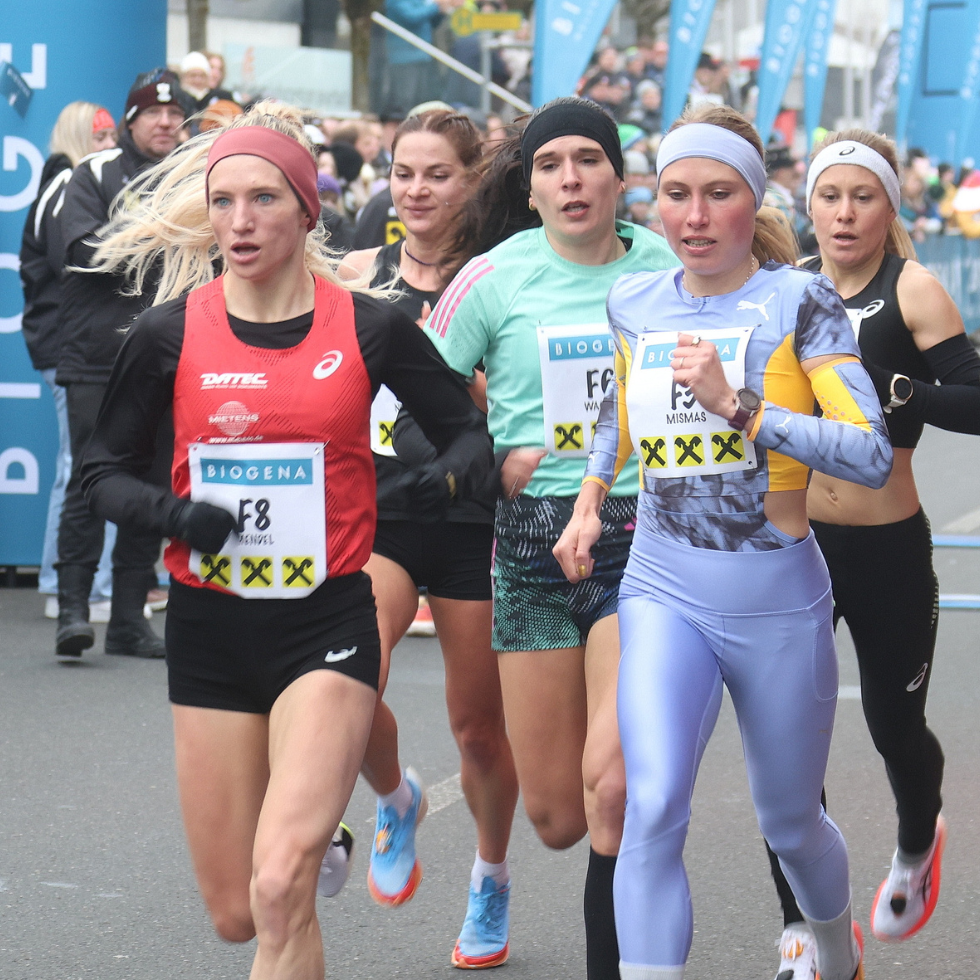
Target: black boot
74	632
128	633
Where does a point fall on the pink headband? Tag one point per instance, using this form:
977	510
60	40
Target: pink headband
295	162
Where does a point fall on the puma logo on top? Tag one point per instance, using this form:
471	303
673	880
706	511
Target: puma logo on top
744	304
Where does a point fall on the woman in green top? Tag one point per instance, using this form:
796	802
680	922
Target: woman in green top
533	309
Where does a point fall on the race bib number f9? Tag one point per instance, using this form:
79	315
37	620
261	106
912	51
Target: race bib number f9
673	435
576	368
277	492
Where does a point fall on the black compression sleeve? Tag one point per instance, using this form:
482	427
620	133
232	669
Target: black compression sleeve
954	403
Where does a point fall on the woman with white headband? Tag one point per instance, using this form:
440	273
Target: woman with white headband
911	335
718	367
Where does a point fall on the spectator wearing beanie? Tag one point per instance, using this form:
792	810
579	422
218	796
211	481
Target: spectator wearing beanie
94	317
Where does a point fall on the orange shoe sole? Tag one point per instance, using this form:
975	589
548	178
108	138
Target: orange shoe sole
930	906
463	962
405	895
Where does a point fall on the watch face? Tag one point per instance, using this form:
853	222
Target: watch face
902	388
748	400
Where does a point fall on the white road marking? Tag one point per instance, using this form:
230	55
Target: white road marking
965	524
58	884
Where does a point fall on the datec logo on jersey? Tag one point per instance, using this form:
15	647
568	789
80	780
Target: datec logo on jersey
233	379
233	418
332	360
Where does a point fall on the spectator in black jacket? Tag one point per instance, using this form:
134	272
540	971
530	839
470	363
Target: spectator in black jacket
80	129
95	315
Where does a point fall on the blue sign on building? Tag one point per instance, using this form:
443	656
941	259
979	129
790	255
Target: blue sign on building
64	50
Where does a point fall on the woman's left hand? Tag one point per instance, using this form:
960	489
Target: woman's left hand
697	366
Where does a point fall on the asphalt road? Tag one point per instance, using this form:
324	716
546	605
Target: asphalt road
95	880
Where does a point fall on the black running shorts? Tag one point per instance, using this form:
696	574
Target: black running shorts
238	654
451	560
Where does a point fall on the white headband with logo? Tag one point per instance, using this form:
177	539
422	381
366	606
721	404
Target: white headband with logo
859	155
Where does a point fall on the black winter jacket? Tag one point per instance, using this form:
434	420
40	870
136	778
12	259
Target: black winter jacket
42	258
94	313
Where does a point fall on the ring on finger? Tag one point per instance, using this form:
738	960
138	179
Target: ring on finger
683	359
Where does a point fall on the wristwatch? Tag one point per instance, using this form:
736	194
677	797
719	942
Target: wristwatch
747	404
900	390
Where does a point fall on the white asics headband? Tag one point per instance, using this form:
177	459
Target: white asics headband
714	143
858	155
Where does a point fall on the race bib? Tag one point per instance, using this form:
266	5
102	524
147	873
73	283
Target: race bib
576	368
384	411
277	492
671	432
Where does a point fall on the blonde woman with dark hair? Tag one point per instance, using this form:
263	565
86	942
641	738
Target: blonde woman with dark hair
272	637
877	542
718	368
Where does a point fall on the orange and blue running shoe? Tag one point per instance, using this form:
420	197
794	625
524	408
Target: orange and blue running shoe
483	942
395	873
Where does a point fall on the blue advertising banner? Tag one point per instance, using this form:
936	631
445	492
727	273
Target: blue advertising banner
936	105
565	35
689	23
815	63
785	24
909	59
970	87
63	50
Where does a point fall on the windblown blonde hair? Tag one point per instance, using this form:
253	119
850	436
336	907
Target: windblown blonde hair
897	241
159	223
774	238
72	132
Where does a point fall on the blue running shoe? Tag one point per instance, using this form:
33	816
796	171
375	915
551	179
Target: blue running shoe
483	942
395	872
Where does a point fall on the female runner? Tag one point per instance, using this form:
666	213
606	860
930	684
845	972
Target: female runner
272	639
718	367
911	335
434	171
532	309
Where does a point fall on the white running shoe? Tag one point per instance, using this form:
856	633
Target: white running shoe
337	862
908	896
797	953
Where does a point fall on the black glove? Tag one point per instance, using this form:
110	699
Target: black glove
203	526
430	490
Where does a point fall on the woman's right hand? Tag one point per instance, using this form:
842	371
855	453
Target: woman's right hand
518	468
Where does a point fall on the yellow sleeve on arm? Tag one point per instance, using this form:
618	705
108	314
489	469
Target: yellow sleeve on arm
835	399
611	445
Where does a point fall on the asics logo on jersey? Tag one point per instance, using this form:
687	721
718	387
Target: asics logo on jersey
331	361
332	658
744	304
918	680
247	379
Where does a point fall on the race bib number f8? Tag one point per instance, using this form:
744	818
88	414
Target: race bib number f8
673	435
576	368
277	492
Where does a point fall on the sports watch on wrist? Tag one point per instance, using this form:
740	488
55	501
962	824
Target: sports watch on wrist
747	403
900	390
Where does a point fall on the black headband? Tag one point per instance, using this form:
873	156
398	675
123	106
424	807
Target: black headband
570	118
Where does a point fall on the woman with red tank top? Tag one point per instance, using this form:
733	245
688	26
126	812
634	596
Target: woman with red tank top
272	638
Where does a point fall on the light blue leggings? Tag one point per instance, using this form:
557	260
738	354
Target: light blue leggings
690	620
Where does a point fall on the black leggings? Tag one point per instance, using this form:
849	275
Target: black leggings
886	590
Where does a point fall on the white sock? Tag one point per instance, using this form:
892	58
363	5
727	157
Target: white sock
838	955
400	799
484	869
633	971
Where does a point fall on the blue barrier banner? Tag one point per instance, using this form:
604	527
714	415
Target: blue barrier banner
565	35
786	21
955	261
909	61
63	50
689	23
970	87
818	37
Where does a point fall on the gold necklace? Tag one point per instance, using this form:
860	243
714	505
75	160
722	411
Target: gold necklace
753	268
